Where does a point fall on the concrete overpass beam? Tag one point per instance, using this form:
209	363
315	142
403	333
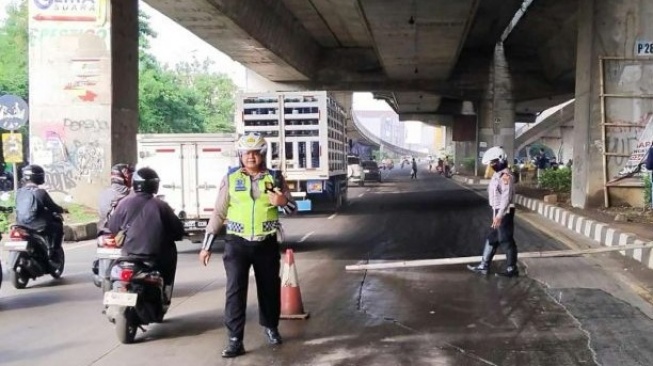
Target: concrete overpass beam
262	35
609	28
497	109
83	78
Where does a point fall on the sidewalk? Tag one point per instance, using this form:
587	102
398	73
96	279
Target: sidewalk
590	223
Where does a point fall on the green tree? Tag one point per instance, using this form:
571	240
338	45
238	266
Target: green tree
14	49
216	93
189	98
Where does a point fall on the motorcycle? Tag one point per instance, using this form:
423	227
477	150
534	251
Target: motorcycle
28	255
137	296
106	253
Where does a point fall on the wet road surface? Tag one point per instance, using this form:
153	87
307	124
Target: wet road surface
562	311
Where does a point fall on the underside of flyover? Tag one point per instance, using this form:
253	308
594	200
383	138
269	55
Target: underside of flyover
424	57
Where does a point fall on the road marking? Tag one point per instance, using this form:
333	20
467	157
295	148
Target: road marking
361	195
369	189
305	237
331	217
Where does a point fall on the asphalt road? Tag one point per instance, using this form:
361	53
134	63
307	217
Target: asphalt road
569	311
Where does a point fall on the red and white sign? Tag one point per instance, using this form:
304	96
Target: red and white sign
638	156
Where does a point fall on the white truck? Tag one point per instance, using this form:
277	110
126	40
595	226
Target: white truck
307	142
190	167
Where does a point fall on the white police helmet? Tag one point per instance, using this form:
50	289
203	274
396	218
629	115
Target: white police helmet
252	142
494	153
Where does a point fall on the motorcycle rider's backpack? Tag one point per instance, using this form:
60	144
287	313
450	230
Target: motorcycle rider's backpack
27	206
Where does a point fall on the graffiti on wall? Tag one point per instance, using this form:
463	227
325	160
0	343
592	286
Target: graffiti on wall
67	161
70	81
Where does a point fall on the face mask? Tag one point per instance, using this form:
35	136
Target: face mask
499	166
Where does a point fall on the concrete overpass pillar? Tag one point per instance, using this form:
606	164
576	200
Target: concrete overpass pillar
609	28
567	149
448	141
83	79
497	109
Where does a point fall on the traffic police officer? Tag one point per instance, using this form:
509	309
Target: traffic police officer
501	194
248	201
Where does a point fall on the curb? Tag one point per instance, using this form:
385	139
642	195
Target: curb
79	232
475	180
598	231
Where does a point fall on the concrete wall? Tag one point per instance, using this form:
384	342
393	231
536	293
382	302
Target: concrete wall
609	28
73	104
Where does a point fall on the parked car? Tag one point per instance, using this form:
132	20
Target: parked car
355	174
371	171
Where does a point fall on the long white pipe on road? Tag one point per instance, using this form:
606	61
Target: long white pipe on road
463	260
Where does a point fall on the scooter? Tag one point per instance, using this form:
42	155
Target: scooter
28	255
107	252
137	296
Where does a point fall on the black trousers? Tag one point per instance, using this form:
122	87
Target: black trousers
264	256
504	236
54	233
167	265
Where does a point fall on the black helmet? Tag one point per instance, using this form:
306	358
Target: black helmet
122	174
146	180
34	173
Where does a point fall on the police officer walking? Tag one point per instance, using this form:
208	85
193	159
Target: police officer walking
501	193
249	200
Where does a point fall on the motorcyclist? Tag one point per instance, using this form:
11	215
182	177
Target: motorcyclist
150	226
121	182
36	210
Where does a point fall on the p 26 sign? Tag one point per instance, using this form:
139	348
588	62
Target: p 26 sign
644	48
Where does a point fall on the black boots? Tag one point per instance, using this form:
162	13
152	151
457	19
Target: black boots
486	261
235	348
273	336
509	272
511	261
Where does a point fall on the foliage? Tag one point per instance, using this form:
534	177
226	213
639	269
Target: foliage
78	214
558	180
14	46
189	98
647	191
469	164
216	94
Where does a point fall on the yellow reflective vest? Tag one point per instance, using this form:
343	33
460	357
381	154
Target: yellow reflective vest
247	217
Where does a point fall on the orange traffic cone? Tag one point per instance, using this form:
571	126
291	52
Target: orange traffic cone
291	297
